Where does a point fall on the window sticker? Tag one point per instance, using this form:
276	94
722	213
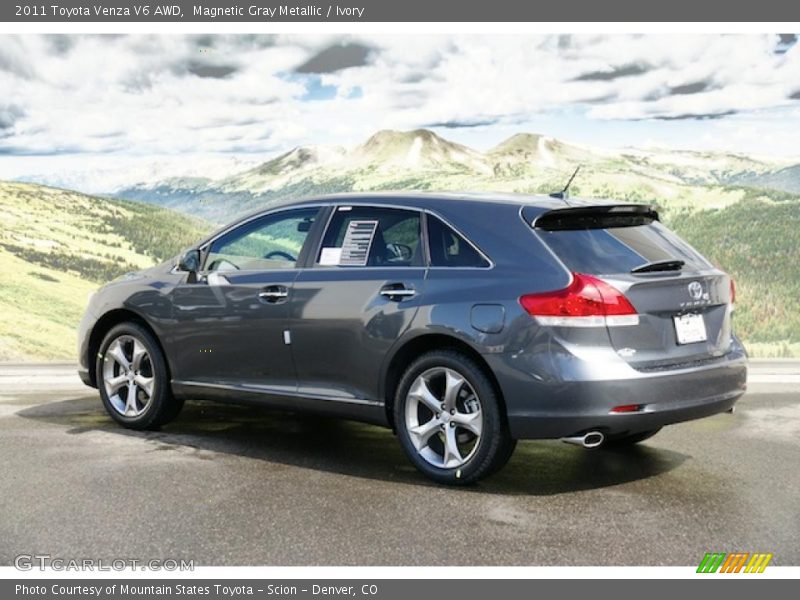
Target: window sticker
357	243
330	257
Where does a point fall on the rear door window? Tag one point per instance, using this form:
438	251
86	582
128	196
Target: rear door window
365	236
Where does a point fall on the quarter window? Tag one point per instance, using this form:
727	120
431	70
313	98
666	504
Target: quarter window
370	236
449	249
272	242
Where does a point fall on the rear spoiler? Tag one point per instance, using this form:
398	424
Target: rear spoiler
601	216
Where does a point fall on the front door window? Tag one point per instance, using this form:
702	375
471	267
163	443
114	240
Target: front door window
266	244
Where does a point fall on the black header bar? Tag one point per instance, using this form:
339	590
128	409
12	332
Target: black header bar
265	11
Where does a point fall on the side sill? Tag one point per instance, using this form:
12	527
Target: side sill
368	411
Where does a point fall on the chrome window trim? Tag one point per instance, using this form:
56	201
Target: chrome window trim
204	273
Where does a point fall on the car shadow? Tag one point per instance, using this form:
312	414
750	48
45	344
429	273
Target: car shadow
325	444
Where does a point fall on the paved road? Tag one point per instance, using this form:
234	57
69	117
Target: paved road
237	485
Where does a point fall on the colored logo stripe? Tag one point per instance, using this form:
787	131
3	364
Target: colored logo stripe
711	562
734	562
758	563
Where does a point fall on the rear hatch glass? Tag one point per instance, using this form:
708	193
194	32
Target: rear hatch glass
682	299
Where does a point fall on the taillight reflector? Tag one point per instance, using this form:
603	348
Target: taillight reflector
586	302
627	408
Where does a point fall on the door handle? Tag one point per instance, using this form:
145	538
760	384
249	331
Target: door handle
397	291
273	293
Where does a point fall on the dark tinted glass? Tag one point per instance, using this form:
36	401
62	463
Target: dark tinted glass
449	249
620	249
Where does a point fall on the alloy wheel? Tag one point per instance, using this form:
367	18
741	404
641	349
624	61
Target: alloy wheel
128	376
443	417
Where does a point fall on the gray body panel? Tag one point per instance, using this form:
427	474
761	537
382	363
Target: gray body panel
222	343
342	328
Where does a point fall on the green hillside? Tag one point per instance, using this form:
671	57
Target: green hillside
757	240
57	246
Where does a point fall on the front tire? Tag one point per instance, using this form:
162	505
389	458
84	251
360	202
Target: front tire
450	419
132	377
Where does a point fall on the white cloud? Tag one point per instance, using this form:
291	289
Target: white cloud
182	95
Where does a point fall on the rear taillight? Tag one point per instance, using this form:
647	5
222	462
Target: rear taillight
733	291
586	302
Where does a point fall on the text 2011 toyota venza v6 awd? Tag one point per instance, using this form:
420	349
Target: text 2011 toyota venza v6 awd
463	322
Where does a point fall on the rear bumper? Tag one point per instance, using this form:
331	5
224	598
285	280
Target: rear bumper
553	409
557	426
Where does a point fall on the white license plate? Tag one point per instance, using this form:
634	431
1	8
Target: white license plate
690	329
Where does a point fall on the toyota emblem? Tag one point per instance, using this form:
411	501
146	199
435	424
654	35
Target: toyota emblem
695	290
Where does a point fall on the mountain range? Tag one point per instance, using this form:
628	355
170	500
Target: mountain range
526	162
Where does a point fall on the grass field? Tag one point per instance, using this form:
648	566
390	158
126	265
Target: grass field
57	246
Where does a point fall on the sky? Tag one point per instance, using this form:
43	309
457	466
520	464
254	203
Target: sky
97	112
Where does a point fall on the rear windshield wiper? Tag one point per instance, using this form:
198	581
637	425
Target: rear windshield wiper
659	265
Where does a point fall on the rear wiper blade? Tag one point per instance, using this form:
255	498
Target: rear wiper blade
659	265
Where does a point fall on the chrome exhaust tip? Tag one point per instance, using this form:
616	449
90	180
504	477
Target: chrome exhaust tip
588	440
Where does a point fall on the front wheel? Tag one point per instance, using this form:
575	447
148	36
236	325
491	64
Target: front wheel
131	374
450	420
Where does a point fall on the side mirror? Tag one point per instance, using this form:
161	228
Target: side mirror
190	261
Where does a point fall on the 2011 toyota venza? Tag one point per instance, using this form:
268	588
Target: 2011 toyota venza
463	322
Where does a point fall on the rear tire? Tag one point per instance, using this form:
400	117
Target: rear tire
450	420
629	440
133	380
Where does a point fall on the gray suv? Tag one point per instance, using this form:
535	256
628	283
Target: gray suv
462	322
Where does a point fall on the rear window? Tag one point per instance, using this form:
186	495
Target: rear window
625	245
